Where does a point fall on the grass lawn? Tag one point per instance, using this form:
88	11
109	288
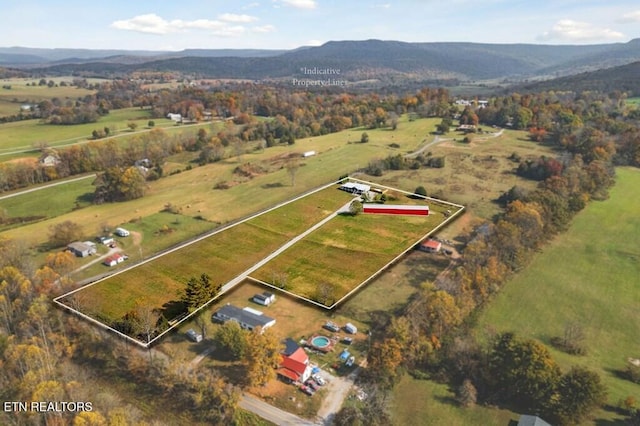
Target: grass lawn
588	275
60	199
425	402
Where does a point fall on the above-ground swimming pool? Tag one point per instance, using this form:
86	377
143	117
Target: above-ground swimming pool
320	342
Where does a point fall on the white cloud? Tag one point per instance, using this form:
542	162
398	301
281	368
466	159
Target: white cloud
232	17
154	24
630	17
301	4
264	29
573	31
251	5
382	6
314	43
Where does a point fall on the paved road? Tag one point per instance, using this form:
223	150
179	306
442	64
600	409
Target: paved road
271	413
15	194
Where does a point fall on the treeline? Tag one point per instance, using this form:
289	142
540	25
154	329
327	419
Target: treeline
154	146
47	355
428	339
114	94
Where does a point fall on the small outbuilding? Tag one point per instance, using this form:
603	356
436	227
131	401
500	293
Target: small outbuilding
528	420
265	299
431	246
81	249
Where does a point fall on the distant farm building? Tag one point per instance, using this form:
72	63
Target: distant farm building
431	246
82	249
527	420
355	188
114	259
121	232
309	154
175	117
247	318
395	209
350	328
49	160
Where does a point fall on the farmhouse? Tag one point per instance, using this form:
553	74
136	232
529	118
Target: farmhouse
266	298
49	160
294	366
175	117
431	246
395	209
82	249
247	318
355	188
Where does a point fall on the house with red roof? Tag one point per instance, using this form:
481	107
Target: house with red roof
294	366
114	259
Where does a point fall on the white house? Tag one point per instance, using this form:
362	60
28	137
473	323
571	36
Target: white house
175	117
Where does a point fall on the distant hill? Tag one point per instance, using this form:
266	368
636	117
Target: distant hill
623	78
355	60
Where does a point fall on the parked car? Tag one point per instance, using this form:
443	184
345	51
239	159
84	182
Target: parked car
307	390
194	336
319	380
312	384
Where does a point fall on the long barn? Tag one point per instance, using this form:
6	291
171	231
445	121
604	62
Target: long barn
400	209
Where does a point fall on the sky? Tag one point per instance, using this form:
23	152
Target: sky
287	24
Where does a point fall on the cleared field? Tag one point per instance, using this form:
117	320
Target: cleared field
60	199
193	192
21	94
24	134
223	256
588	275
345	252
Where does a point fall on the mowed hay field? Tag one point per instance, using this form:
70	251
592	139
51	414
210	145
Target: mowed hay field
346	251
193	190
223	256
590	276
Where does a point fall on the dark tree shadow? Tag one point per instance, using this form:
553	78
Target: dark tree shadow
272	185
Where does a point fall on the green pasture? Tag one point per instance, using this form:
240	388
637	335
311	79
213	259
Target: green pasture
49	202
26	134
21	94
633	101
590	276
426	402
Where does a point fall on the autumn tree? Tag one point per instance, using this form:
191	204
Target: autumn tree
523	372
232	338
580	392
384	360
292	165
467	394
355	208
262	356
119	184
64	233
